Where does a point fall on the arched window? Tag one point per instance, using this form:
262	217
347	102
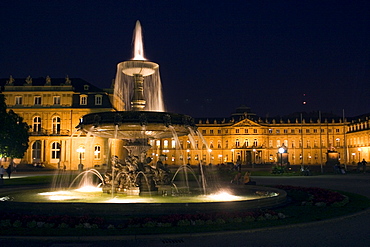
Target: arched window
246	142
218	144
36	124
55	125
165	144
237	143
55	150
36	151
173	143
97	153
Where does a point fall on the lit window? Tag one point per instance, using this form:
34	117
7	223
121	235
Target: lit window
173	144
98	100
55	150
18	100
37	100
36	151
56	100
158	143
97	153
56	125
36	124
83	99
246	142
165	144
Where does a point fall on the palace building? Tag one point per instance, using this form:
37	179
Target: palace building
53	108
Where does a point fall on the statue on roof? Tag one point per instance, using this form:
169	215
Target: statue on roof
29	80
48	80
68	81
10	81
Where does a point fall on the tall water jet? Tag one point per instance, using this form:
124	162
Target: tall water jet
139	87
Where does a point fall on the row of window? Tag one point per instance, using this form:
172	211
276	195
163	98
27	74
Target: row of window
55	124
245	143
56	100
271	131
55	151
226	131
294	131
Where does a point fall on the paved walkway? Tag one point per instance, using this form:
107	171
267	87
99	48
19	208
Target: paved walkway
350	230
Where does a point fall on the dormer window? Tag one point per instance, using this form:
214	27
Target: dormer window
98	99
83	99
56	100
86	87
37	100
18	100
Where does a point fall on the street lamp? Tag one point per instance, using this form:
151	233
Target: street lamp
80	150
281	151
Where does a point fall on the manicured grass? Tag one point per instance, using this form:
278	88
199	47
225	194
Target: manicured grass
25	181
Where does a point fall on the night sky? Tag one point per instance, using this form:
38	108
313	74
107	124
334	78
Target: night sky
213	55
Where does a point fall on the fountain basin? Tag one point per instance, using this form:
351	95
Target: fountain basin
138	67
249	198
136	124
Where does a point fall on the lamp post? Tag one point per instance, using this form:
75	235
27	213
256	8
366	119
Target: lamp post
80	150
281	151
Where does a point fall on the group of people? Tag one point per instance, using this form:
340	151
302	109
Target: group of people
8	170
246	178
362	165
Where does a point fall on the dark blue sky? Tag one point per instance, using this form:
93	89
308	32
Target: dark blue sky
213	55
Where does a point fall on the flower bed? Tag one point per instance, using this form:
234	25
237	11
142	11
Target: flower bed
314	196
37	221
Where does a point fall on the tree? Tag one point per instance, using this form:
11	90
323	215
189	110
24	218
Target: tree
13	132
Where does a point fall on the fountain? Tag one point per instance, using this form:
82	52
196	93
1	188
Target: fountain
136	174
136	178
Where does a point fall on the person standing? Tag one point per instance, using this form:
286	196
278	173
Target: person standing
2	171
9	170
364	165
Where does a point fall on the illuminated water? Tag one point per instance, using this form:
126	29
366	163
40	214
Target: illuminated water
95	195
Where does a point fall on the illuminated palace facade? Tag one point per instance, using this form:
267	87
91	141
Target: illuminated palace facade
53	108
